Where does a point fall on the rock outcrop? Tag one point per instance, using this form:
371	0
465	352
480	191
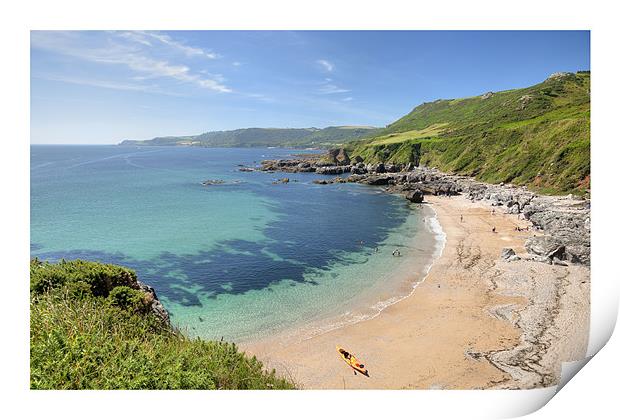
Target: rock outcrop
415	196
157	308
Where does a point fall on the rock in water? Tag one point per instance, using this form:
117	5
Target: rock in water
331	170
208	182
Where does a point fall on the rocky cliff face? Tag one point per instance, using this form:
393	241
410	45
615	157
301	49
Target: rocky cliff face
157	308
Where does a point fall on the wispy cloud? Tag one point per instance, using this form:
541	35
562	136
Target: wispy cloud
106	84
142	37
329	87
326	65
348	99
133	55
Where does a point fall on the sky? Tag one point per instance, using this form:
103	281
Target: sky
101	87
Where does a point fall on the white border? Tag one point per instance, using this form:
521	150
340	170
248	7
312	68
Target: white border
18	18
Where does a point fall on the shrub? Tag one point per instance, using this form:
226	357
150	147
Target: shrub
101	278
129	299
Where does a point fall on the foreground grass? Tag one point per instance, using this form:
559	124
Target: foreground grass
82	341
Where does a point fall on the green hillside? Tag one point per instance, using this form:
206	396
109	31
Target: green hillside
537	136
264	137
91	328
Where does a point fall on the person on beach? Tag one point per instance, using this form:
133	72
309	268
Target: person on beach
493	229
396	253
461	218
376	249
493	212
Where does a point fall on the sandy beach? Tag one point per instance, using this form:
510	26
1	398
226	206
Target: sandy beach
475	322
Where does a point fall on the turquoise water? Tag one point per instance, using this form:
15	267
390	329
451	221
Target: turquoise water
240	260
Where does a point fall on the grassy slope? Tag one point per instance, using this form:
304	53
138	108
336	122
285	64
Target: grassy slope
84	334
537	136
264	137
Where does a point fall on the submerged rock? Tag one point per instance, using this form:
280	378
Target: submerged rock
213	182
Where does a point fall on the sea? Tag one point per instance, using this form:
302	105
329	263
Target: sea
240	259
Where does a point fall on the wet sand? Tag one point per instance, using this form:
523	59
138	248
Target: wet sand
475	322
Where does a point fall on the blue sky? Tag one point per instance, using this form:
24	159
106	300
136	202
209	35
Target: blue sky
97	87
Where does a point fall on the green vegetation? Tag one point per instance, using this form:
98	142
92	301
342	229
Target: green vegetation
264	137
537	136
91	328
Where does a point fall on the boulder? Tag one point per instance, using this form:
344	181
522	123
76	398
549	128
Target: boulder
358	169
416	196
331	170
377	180
507	253
547	247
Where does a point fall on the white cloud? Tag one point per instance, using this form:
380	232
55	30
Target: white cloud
330	88
135	37
348	99
261	97
326	65
105	84
236	63
185	49
134	56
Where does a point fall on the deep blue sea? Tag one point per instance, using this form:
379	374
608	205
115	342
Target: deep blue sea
239	260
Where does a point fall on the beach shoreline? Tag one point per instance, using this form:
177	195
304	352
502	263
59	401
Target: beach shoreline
475	321
410	269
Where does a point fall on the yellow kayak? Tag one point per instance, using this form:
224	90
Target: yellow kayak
352	361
